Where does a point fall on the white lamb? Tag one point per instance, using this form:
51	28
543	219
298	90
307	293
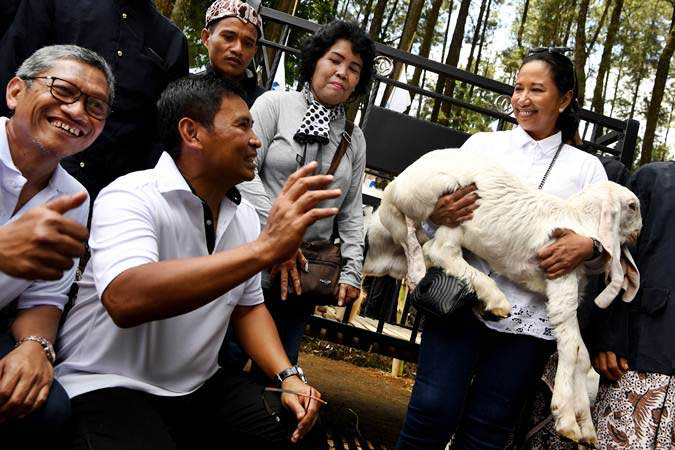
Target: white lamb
512	223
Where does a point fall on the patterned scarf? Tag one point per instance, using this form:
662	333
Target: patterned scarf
315	125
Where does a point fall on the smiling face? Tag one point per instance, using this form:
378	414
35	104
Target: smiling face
536	101
230	146
43	123
336	74
231	44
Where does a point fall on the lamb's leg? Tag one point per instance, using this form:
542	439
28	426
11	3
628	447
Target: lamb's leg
414	255
445	251
582	406
562	304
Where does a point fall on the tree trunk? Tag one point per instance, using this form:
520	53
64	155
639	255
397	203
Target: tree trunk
273	30
411	21
594	39
476	35
366	16
597	104
660	79
636	91
568	27
447	30
378	17
616	85
165	7
580	50
390	16
427	37
448	86
482	38
523	19
178	11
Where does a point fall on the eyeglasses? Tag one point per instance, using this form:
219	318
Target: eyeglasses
66	92
560	50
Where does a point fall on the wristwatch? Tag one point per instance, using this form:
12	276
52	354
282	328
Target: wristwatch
46	346
291	371
597	248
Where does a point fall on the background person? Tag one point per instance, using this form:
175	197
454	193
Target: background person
230	35
59	98
457	392
632	345
336	66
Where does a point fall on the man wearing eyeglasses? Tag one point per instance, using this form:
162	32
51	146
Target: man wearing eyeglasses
59	98
230	35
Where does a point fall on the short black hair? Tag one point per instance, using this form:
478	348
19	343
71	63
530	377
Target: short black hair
198	97
564	77
314	47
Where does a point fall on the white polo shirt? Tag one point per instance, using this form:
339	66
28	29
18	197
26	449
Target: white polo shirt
34	293
142	218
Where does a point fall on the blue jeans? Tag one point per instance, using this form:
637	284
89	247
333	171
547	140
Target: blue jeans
48	419
472	382
290	321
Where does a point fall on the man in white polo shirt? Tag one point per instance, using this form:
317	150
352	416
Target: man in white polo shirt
59	98
176	253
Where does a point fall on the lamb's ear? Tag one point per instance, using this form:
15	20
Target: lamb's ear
631	281
608	234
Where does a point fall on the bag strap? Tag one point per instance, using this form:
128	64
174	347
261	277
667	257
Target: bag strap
342	147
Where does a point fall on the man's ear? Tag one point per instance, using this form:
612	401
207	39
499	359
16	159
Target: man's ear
189	133
15	89
205	36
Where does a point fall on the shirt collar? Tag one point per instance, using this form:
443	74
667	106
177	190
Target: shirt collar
58	179
170	178
547	145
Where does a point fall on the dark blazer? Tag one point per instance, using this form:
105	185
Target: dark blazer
644	330
145	52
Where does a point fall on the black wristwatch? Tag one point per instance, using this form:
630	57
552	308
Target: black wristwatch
291	371
597	249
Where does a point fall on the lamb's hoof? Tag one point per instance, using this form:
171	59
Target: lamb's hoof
588	436
495	314
568	429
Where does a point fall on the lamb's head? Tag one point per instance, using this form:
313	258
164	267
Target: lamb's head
619	224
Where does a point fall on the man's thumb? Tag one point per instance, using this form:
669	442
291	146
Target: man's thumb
67	202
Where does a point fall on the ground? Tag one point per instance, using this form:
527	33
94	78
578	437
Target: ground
370	397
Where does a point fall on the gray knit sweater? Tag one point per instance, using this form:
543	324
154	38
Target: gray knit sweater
277	116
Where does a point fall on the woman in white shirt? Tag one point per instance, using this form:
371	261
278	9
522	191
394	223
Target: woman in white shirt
474	375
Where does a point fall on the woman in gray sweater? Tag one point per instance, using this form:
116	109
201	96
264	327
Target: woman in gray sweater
298	127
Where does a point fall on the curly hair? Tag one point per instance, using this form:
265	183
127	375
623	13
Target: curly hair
564	77
314	47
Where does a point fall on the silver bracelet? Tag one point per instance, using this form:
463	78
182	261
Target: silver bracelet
46	346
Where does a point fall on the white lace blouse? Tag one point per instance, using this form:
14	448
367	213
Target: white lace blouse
528	159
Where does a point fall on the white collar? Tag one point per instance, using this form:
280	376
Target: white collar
169	178
548	145
56	181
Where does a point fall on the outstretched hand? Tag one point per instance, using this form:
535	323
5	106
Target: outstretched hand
294	210
42	243
453	209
